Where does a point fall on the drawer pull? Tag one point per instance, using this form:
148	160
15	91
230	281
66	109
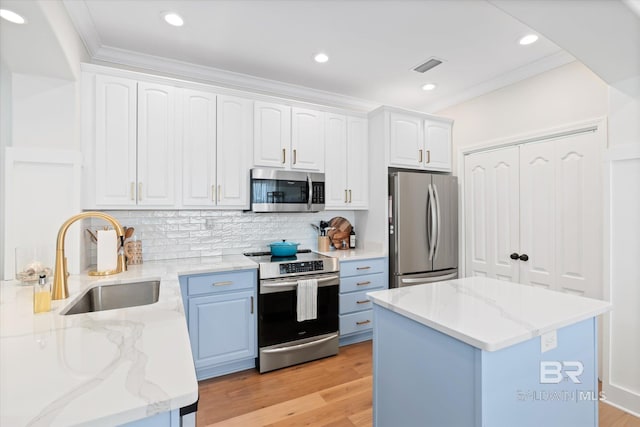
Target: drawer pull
363	301
364	322
251	305
226	283
368	282
363	268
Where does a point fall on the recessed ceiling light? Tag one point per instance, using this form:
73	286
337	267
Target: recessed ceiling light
321	58
11	16
173	19
528	39
429	86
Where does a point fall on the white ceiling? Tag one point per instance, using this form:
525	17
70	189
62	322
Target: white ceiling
373	45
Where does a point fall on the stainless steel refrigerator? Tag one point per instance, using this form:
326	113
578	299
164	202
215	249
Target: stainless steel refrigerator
423	228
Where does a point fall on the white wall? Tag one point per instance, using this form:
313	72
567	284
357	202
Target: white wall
44	112
567	94
5	138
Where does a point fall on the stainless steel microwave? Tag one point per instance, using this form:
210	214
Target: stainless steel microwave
274	190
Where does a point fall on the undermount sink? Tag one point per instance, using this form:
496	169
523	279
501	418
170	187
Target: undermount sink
122	295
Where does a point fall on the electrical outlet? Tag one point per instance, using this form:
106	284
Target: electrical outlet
210	223
548	341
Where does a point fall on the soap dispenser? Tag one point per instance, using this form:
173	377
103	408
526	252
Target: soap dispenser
352	239
42	295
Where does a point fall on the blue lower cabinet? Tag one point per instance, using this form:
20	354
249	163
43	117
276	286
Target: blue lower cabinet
221	316
356	279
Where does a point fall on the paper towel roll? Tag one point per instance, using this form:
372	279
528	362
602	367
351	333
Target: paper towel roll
107	250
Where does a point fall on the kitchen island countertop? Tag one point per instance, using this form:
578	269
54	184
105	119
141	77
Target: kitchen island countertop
104	368
488	314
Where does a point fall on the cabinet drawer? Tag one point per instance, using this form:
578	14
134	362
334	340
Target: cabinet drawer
366	282
356	322
221	282
365	266
355	301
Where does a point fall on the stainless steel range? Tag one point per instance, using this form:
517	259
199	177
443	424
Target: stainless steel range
282	340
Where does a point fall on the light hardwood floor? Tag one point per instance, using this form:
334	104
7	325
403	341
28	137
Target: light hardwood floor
332	392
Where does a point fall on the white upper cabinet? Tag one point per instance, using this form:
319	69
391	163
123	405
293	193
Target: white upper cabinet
115	141
135	145
233	151
198	148
419	142
407	141
437	145
336	193
358	162
156	145
307	139
346	162
271	135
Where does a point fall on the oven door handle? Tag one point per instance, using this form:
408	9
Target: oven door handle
301	346
310	190
287	284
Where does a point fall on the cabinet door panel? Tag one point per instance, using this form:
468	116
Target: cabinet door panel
492	214
437	145
307	139
115	155
537	214
271	135
406	141
336	195
233	151
156	145
578	222
358	163
222	328
199	148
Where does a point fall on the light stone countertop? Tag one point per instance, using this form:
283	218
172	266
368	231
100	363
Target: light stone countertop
354	254
104	368
486	313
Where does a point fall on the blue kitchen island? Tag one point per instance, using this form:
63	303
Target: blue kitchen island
483	352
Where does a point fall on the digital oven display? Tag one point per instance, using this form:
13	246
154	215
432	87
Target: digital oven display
301	267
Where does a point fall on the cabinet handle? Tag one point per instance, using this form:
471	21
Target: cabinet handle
219	191
133	191
225	283
251	305
420	155
428	156
364	322
345	196
524	257
363	268
139	191
213	193
349	196
362	302
514	256
284	155
295	156
363	283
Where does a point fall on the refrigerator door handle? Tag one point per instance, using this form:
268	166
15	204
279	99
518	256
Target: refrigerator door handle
434	225
430	279
437	231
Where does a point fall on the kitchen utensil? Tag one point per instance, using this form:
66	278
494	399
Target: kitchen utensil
128	232
315	227
340	232
94	238
283	248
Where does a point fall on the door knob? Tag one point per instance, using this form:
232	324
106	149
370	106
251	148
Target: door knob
514	256
524	257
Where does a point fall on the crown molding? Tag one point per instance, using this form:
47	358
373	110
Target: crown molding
532	69
230	79
81	18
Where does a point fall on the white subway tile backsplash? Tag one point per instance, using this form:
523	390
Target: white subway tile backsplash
193	233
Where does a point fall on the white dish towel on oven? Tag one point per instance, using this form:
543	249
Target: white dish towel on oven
307	306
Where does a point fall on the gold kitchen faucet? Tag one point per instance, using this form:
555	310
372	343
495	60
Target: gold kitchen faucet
60	289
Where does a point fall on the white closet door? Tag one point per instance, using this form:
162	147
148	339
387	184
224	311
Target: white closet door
492	217
537	214
578	222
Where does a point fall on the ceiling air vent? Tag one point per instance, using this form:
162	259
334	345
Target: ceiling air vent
431	63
